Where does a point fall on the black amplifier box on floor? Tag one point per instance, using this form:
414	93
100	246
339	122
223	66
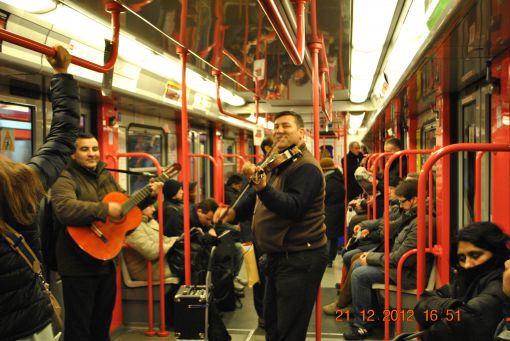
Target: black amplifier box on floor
191	310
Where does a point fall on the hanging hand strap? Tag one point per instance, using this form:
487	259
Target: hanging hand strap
18	244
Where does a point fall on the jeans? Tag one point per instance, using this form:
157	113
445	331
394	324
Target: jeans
364	299
347	257
292	282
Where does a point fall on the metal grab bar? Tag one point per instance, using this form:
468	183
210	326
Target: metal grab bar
296	50
478	186
434	157
387	167
150	331
112	7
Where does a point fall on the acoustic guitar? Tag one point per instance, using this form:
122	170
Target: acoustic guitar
103	240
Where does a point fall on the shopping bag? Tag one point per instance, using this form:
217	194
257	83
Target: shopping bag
250	262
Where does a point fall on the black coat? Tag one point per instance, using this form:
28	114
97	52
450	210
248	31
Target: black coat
171	211
334	201
478	302
353	188
24	308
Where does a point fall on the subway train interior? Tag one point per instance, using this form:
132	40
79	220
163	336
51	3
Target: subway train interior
198	82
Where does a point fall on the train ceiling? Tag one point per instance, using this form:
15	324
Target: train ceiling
234	34
245	25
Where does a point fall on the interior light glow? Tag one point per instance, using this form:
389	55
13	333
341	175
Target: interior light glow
410	38
371	21
359	89
364	64
352	131
32	6
70	22
236	122
355	121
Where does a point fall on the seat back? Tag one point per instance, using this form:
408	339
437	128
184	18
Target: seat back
132	283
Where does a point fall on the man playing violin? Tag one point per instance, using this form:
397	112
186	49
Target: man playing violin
288	225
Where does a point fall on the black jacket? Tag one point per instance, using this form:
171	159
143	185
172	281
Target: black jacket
171	209
24	308
476	305
334	201
353	188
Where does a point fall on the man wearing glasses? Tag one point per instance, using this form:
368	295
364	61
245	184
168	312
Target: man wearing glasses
370	270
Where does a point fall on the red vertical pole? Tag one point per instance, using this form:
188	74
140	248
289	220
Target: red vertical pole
478	186
218	172
183	52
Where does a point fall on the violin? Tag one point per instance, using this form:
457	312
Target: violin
272	162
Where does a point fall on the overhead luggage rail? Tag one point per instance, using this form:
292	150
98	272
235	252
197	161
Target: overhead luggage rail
112	7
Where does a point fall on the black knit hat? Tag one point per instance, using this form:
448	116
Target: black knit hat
170	188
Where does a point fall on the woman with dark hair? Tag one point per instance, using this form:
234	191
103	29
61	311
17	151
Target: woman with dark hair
471	307
26	311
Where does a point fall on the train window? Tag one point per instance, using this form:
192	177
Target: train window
144	139
428	138
229	164
200	168
16	131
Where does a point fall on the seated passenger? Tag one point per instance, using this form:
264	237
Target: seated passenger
503	332
200	215
371	239
471	307
370	268
144	245
172	191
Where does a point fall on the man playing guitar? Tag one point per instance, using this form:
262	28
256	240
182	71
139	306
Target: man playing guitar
88	283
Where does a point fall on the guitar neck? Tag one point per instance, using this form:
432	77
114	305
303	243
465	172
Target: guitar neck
141	194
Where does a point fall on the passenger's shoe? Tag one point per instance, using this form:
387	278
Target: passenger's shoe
238	286
262	323
330	309
241	281
357	333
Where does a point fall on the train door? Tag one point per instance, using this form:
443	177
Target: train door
16	123
200	168
473	127
145	139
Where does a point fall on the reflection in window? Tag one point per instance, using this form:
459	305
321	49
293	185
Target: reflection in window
16	132
148	140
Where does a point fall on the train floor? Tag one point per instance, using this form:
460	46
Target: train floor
242	323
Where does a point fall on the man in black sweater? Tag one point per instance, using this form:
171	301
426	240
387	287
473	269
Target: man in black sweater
288	225
354	158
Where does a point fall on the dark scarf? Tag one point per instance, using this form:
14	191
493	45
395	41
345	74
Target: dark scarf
468	280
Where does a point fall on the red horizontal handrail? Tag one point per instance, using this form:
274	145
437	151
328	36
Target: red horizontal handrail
238	63
400	266
422	182
296	50
237	156
206	156
112	7
217	77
